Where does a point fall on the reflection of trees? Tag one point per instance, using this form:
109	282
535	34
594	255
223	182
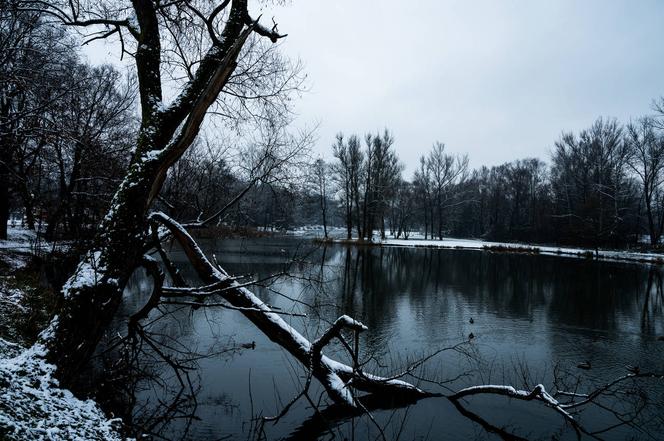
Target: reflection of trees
152	382
575	292
593	295
653	303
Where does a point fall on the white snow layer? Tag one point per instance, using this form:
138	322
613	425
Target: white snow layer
87	274
34	407
475	244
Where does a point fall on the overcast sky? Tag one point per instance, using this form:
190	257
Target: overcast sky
496	79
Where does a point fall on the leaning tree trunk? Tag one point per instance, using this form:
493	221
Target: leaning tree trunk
4	205
92	295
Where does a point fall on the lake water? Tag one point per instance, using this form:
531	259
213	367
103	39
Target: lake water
534	318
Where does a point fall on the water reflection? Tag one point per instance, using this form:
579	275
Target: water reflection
531	312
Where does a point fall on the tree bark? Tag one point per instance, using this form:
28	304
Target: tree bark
4	205
28	204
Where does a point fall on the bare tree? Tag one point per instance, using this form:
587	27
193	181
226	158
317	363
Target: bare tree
382	171
343	179
422	183
93	293
646	159
320	172
88	126
348	175
589	179
401	209
272	167
446	171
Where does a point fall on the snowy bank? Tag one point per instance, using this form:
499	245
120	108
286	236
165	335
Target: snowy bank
316	231
474	244
33	407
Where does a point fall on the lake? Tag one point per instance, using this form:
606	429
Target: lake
533	319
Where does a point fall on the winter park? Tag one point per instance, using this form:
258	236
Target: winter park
290	220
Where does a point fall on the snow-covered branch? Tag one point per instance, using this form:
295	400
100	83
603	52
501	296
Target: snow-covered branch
336	377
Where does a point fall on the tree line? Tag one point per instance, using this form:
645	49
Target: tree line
65	127
603	187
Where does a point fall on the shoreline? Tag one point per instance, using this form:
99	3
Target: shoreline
509	247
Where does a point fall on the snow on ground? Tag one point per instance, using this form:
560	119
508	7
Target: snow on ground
317	231
33	407
10	297
24	241
14	260
416	239
19	239
11	308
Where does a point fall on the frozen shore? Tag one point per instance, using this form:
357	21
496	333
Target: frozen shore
482	245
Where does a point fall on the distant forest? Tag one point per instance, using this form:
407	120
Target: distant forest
602	188
67	128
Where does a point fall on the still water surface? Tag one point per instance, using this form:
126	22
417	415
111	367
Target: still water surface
542	315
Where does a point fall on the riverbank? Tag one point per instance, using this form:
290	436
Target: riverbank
33	406
509	247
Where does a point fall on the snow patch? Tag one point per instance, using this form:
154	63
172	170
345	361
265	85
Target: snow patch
151	155
475	244
87	274
11	297
34	407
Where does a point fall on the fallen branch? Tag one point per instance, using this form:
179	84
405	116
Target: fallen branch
335	376
538	393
